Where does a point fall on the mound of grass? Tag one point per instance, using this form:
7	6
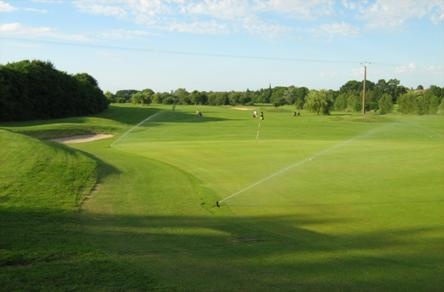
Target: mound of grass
37	174
42	185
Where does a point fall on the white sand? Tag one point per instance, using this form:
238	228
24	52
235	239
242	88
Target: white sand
243	108
82	138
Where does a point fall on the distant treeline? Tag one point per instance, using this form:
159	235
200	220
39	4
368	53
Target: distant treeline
380	97
36	90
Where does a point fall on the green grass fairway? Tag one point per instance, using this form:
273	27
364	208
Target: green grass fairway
320	202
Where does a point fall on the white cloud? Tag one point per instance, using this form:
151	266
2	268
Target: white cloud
199	17
408	68
298	8
48	1
199	27
336	29
35	10
125	34
263	17
101	7
358	73
435	69
268	30
6	7
224	9
16	29
394	13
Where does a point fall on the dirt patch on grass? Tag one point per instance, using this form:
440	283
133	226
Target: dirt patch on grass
82	138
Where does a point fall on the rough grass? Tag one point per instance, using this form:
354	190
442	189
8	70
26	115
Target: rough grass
364	214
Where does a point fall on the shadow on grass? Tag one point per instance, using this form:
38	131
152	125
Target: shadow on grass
208	253
111	120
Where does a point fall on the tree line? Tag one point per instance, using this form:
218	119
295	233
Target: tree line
380	97
36	90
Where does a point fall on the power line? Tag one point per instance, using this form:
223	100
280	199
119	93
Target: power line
188	53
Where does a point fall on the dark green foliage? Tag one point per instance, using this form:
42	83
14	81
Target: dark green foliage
295	95
277	96
385	104
356	86
170	99
183	96
427	103
441	107
407	102
198	97
421	102
437	91
110	97
142	97
354	102
123	96
340	103
218	98
36	90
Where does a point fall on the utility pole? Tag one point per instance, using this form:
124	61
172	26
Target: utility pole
363	87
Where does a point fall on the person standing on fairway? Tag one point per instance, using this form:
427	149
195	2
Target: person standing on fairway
262	115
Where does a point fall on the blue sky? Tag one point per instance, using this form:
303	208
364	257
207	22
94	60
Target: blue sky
229	44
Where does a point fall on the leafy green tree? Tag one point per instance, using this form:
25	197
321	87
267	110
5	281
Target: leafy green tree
183	96
143	97
356	86
385	104
300	94
110	97
437	91
198	97
340	103
170	99
427	103
36	90
124	95
277	96
407	102
395	89
319	101
441	107
354	102
290	95
234	97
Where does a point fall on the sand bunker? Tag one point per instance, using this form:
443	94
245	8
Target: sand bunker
243	108
82	138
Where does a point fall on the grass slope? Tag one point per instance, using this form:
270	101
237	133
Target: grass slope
41	244
365	214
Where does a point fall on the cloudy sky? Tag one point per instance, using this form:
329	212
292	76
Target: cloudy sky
229	44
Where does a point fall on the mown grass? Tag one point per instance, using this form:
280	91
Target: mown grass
366	213
42	247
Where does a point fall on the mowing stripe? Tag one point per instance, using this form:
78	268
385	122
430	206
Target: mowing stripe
302	162
133	128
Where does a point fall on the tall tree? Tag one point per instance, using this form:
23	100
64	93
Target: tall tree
385	104
319	101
